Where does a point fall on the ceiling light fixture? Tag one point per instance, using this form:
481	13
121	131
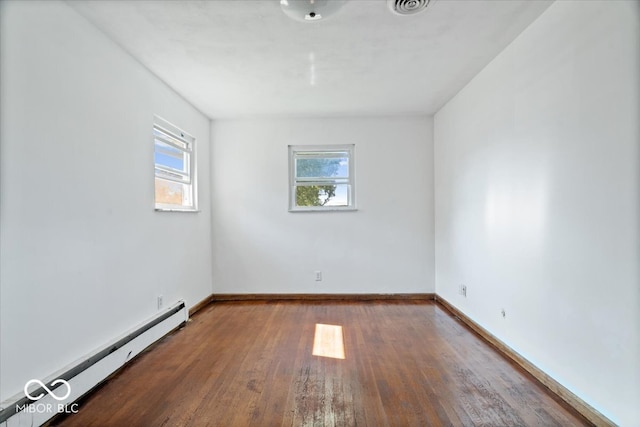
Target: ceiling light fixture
310	10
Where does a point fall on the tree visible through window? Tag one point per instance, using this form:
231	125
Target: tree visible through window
316	195
321	177
174	168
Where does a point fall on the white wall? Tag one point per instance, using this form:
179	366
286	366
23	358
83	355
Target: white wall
82	250
384	247
537	200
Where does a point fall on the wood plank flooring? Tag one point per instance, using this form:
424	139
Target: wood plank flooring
251	364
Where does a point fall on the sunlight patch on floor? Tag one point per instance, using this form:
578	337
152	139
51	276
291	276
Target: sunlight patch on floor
328	341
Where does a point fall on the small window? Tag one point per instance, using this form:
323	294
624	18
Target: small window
321	178
174	159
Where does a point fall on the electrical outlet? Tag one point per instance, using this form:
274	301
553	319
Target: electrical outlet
318	276
160	301
462	289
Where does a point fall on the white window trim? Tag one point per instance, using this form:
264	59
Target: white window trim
190	178
294	149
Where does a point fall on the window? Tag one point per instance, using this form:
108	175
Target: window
174	168
321	178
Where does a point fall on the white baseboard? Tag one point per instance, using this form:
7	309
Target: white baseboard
89	371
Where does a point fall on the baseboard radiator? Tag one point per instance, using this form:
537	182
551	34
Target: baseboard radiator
61	390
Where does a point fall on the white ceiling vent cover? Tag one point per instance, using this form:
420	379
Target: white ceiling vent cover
407	7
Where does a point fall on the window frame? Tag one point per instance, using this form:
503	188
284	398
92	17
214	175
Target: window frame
180	140
295	150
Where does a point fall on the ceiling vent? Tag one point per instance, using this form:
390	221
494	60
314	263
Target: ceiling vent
407	7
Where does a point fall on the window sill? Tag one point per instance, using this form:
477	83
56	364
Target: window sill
177	210
329	209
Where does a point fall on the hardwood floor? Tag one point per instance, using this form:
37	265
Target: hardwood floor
241	364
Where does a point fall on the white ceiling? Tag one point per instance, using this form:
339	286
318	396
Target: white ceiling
242	58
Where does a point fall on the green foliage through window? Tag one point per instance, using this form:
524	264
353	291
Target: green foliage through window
316	195
321	177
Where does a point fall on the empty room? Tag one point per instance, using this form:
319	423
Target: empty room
319	213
